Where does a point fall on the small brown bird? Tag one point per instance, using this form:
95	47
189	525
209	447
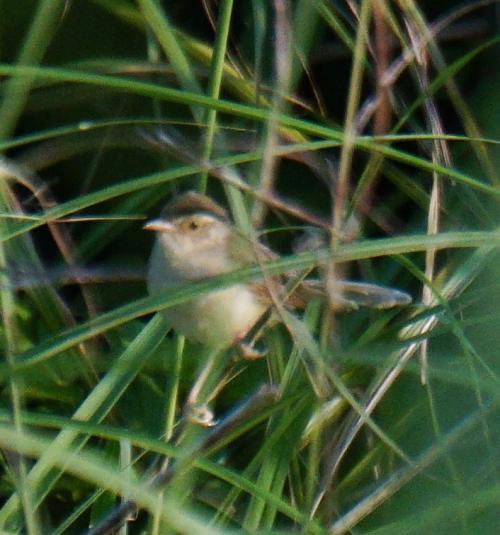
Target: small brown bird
196	240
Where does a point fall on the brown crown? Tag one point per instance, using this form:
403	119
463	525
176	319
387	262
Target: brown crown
192	202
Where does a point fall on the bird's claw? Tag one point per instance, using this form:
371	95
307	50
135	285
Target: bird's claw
249	352
200	415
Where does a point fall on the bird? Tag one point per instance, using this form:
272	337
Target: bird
195	240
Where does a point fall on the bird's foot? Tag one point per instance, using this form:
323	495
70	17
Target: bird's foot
200	415
250	352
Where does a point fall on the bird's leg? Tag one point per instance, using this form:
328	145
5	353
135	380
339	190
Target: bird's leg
245	346
249	351
197	410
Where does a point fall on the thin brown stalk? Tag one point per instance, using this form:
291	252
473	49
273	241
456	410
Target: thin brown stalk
282	73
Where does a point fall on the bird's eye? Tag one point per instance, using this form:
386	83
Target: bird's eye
193	225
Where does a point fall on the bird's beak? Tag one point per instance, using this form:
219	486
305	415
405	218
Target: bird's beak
159	225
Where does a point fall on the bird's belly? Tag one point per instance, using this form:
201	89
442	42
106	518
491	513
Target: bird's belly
217	318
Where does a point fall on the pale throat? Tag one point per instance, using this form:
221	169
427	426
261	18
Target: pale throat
197	262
